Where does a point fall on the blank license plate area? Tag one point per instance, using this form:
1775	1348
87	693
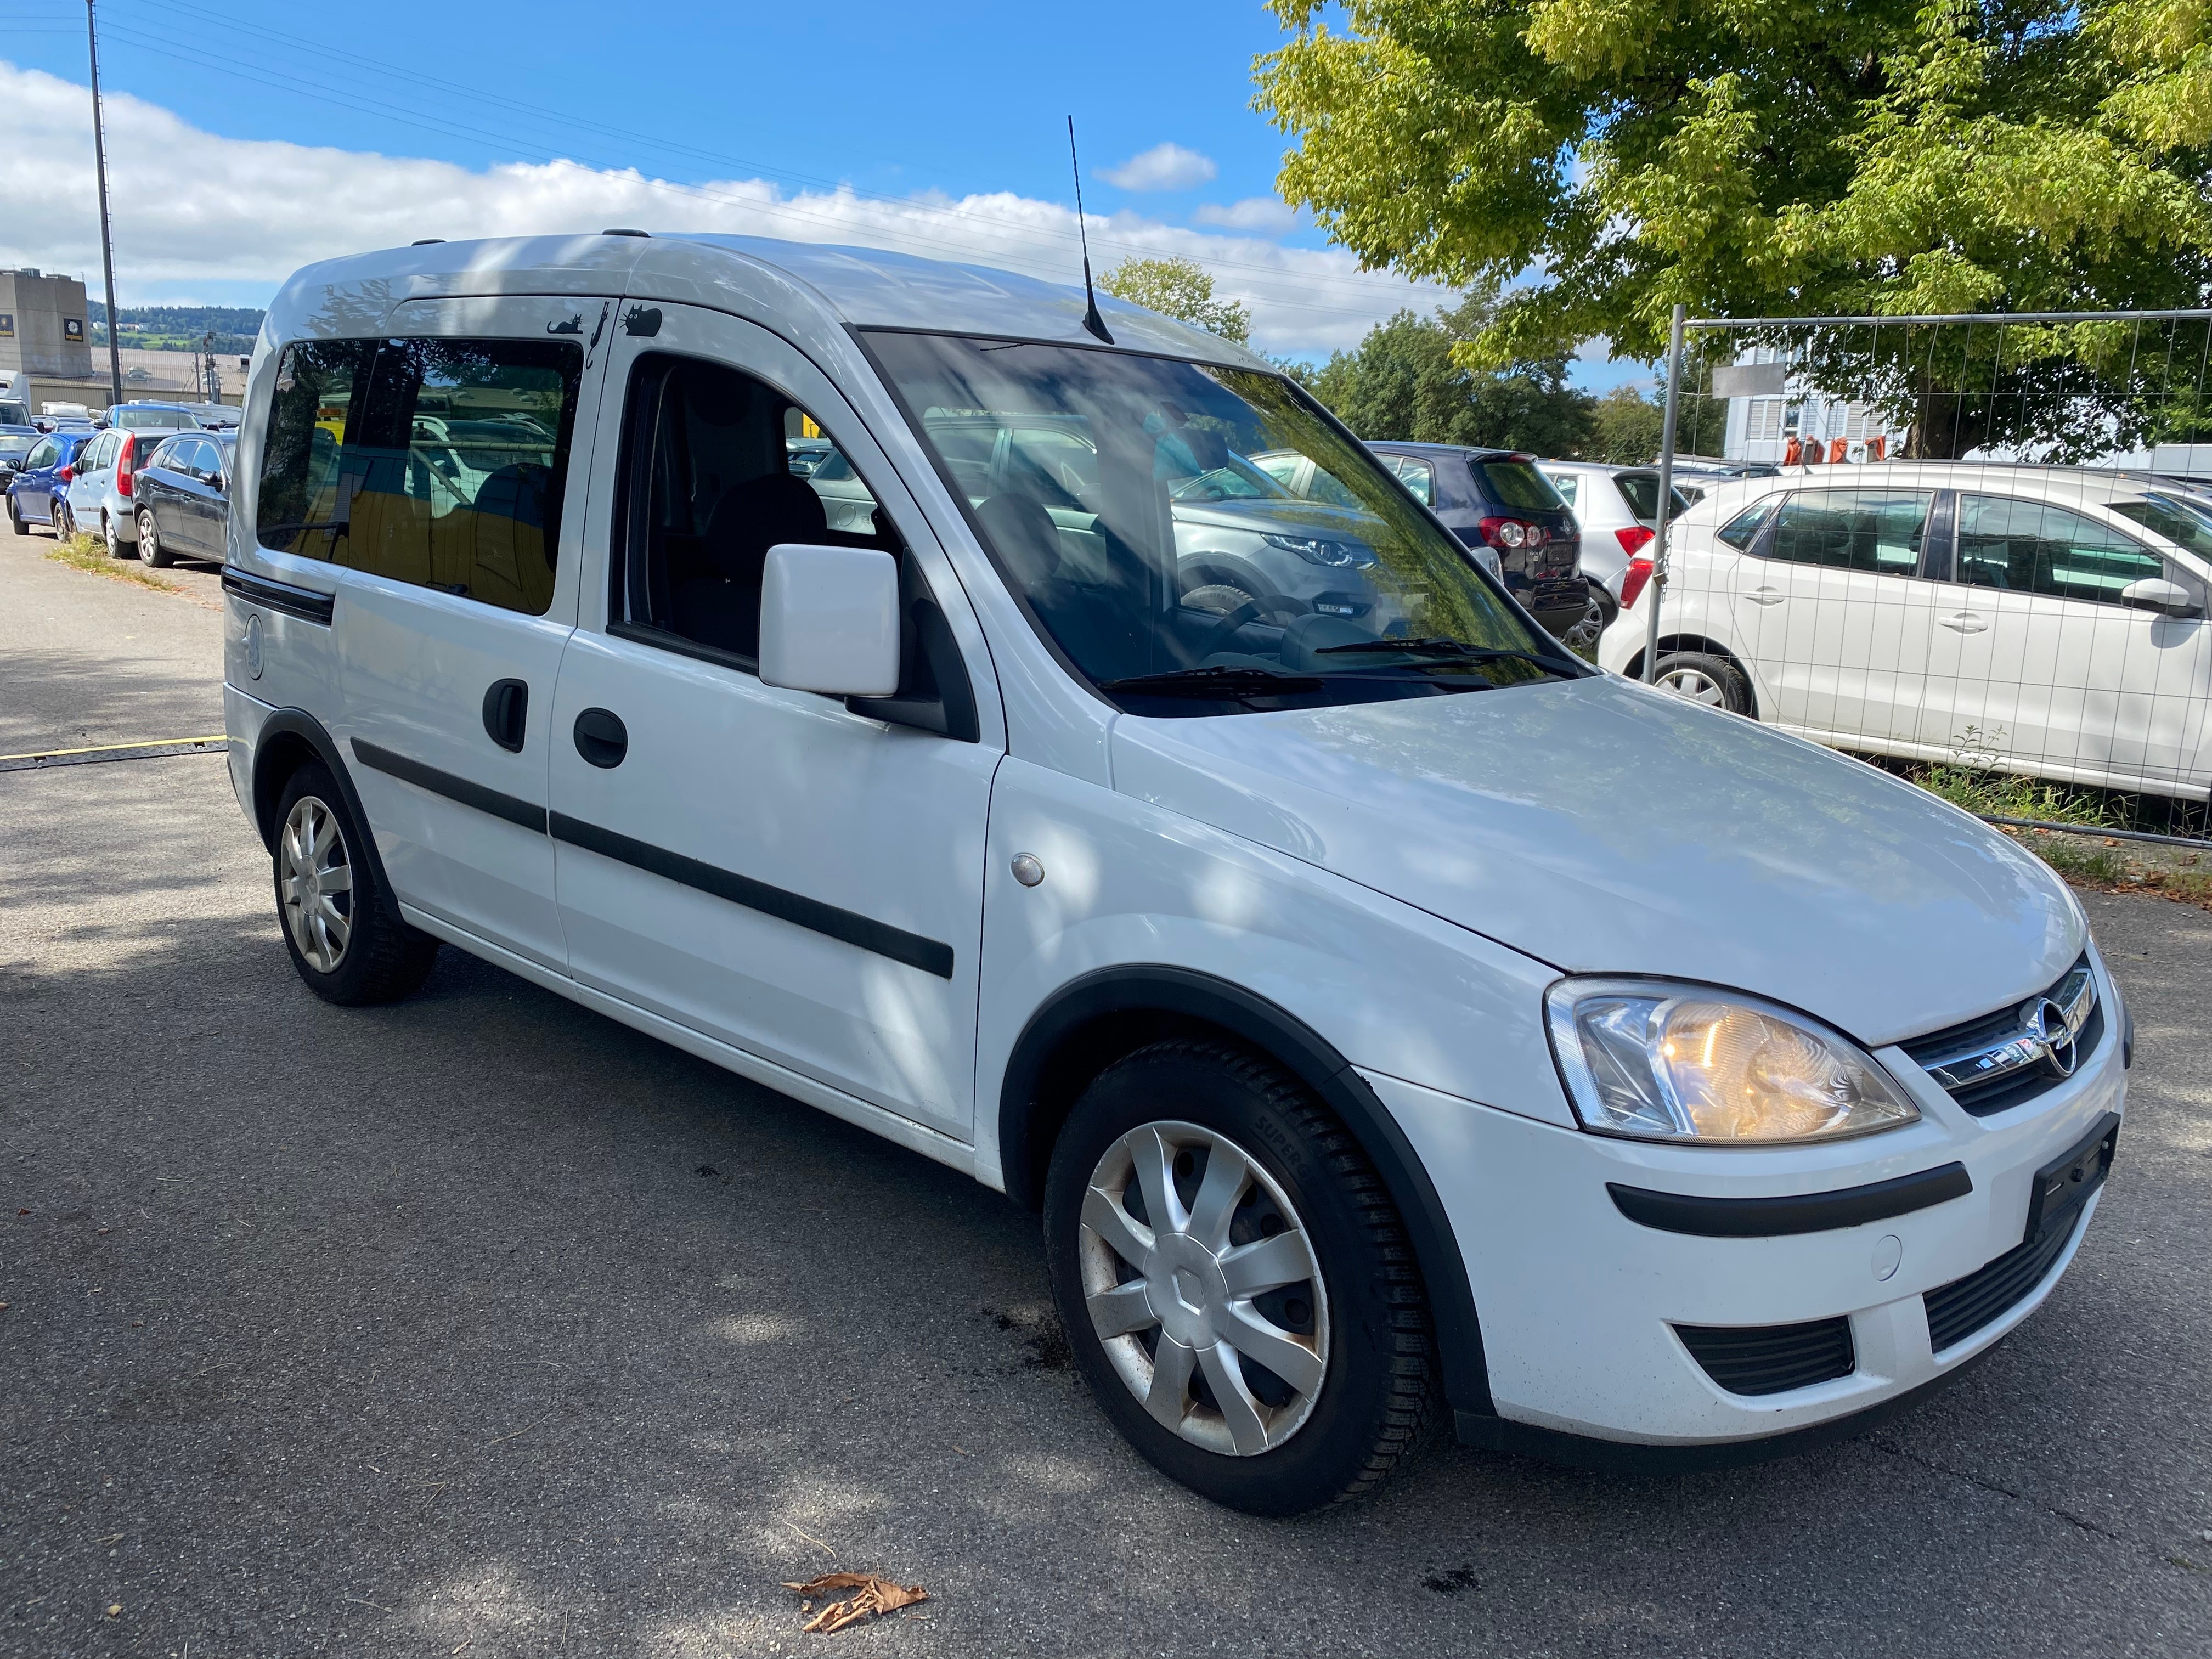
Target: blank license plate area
2064	1185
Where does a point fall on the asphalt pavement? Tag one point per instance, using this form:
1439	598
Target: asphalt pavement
481	1325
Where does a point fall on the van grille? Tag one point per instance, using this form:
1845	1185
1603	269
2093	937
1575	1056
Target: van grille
1772	1358
2002	1059
1956	1310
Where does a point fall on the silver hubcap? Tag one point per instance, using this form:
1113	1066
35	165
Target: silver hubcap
148	547
1697	687
317	883
1202	1285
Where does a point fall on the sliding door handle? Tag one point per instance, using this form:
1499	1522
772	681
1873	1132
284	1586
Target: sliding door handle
507	713
601	737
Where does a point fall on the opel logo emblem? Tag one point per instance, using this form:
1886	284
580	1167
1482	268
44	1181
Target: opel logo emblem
2046	1024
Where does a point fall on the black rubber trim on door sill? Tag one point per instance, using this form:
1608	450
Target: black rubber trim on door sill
1778	1218
848	926
515	811
304	603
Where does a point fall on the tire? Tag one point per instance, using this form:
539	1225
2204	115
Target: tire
115	549
16	518
150	551
1699	677
1348	1327
343	930
64	522
1582	638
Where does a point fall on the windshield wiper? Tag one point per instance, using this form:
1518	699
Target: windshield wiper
1441	650
1222	681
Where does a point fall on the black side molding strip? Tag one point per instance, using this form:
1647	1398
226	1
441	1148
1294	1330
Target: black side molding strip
1776	1218
304	603
468	793
848	926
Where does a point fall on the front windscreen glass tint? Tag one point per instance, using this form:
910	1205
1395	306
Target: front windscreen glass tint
1158	516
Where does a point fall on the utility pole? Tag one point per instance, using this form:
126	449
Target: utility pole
107	240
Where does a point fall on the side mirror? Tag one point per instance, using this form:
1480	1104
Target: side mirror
829	620
2156	593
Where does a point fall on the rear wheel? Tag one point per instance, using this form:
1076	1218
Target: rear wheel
343	928
1699	676
65	520
1598	617
1234	1281
150	540
116	549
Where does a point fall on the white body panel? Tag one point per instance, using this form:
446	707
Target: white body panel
1404	879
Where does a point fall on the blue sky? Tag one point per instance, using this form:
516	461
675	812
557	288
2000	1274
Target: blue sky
890	101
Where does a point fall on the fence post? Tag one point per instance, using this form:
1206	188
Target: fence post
1657	584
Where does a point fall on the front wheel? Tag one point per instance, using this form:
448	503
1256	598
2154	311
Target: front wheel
1699	676
343	930
150	540
1597	616
1234	1281
16	518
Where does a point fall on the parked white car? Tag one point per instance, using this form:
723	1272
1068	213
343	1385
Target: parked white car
1618	508
2043	621
100	497
1380	1022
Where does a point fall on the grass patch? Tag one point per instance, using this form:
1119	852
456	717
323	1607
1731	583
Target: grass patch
89	554
2002	794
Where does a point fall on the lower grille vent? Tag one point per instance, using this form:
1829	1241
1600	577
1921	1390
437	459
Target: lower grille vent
1772	1358
1956	1310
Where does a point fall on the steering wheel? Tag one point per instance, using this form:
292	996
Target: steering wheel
1264	604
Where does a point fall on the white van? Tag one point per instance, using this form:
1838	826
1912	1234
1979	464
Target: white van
1385	1012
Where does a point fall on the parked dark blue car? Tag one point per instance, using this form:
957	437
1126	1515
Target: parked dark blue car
43	479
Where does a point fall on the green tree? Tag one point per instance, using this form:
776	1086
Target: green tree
1403	382
1626	427
1179	287
1746	159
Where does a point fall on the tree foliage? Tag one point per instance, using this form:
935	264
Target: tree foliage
1626	427
1746	158
1404	383
1179	287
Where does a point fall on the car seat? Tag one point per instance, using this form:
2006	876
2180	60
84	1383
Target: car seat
722	608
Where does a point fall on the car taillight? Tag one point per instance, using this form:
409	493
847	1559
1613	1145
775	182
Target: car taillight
1514	533
1634	538
123	459
65	474
1632	584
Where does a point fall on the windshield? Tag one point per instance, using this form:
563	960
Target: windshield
2180	521
152	420
1137	507
15	414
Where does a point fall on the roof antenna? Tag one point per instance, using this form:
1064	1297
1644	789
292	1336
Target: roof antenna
1091	319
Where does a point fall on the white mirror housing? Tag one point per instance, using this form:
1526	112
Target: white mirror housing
829	620
2156	593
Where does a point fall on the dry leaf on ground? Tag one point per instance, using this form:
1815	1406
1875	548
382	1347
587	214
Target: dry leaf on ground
875	1596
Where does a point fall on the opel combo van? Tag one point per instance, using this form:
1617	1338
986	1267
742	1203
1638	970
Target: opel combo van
1386	1013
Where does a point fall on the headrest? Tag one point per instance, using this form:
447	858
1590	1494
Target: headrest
757	514
1024	535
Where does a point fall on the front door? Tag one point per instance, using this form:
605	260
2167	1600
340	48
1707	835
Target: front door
1833	616
2039	666
437	466
794	876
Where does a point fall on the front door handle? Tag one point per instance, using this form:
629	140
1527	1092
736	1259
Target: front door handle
601	737
1964	622
507	713
1767	596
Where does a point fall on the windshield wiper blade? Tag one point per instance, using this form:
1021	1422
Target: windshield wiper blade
1441	650
1222	681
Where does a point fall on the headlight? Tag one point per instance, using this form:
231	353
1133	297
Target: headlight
1315	550
1655	1061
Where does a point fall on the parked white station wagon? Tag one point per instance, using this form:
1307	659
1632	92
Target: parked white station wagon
1385	1012
2047	620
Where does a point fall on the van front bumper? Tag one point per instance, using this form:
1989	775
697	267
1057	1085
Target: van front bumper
1592	1323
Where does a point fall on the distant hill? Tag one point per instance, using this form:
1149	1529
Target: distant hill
180	328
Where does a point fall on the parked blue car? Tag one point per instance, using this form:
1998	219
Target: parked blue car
43	478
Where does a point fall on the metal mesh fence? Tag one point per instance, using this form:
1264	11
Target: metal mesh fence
1975	549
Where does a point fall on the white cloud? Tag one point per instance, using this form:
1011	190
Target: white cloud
1261	213
197	211
1163	167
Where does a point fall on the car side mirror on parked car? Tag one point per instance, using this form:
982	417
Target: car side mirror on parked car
2156	593
829	620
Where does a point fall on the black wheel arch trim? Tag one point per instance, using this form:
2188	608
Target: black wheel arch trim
1803	1213
1207	998
298	723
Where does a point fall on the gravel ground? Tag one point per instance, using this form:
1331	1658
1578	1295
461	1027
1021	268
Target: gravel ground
482	1325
